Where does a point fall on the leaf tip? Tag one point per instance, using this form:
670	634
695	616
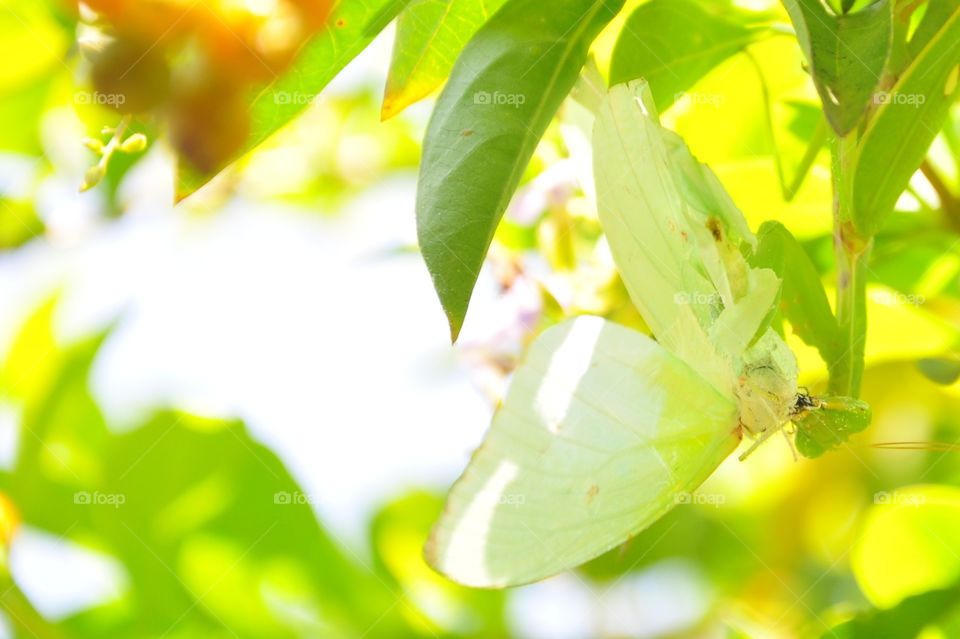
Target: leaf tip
456	324
388	109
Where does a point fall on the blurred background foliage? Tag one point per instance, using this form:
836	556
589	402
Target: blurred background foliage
200	530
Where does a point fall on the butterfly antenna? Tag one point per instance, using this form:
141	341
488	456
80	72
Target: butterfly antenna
934	446
793	449
767	434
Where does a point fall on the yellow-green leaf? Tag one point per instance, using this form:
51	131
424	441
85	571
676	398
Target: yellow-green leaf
430	36
352	26
905	124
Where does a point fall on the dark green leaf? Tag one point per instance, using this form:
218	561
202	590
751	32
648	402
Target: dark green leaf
803	301
504	90
847	55
906	123
940	370
674	43
829	424
904	621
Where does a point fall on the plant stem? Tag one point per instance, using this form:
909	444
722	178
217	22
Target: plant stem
809	157
23	616
949	203
852	252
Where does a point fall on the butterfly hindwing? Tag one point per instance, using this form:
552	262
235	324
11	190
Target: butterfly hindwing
600	431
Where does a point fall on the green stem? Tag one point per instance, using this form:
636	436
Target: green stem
852	252
809	157
817	140
23	616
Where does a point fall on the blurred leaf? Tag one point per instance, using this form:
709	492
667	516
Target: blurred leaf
351	27
940	370
696	533
19	223
503	92
906	123
31	35
33	356
915	256
803	301
847	54
398	533
904	621
936	14
430	35
25	106
214	534
674	43
907	543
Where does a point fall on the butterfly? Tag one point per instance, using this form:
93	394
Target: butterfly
604	429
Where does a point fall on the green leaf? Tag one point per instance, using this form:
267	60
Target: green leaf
829	424
803	301
906	545
906	619
227	540
940	370
430	36
19	223
847	54
25	106
674	43
38	37
906	123
505	88
406	521
351	27
937	14
31	34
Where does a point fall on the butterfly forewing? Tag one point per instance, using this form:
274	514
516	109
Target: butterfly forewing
677	239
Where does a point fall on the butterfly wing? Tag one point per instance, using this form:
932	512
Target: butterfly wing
600	431
677	238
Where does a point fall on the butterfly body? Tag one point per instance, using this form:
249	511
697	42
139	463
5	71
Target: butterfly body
767	386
